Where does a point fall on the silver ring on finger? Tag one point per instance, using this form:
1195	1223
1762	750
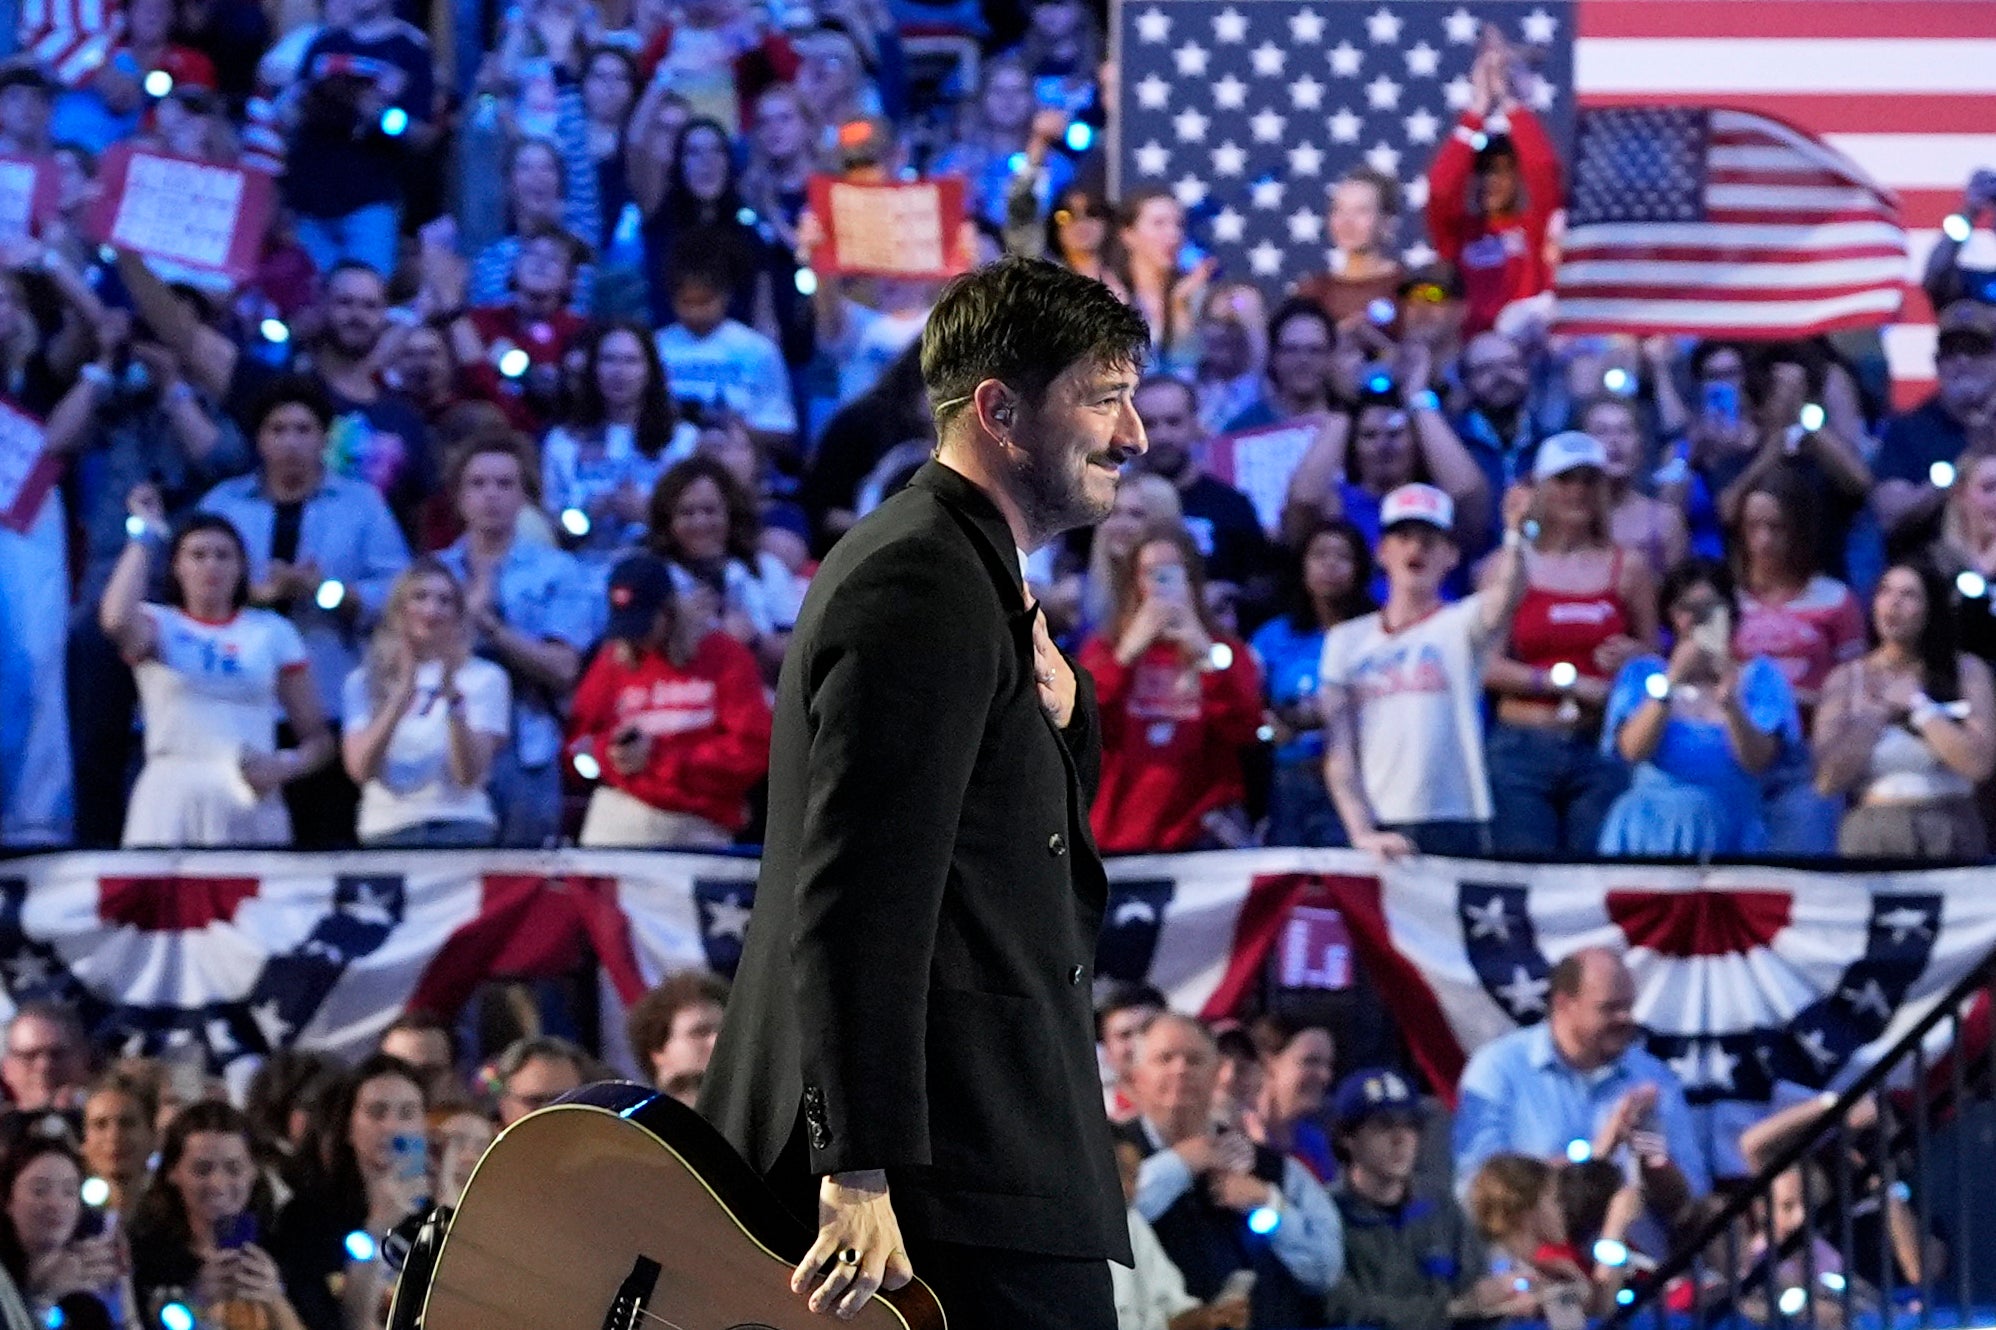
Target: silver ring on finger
849	1256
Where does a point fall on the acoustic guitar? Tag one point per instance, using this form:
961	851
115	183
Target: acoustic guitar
618	1208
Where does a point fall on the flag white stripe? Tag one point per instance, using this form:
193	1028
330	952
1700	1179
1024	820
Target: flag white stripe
1740	123
1772	315
1794	198
1733	276
1909	350
1674	66
1743	235
1918	161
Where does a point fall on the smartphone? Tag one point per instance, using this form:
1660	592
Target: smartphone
235	1231
412	1156
95	1223
1722	402
1714	633
1170	581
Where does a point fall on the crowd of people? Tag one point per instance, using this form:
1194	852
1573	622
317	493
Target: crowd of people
1267	1183
481	513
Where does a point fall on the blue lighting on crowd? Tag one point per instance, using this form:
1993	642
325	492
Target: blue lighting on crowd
1264	1220
176	1316
394	122
1080	136
359	1245
1579	1151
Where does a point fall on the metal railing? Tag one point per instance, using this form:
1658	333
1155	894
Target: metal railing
1745	1263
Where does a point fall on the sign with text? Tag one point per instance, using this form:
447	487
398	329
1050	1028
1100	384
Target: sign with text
27	471
187	212
1260	462
890	230
27	195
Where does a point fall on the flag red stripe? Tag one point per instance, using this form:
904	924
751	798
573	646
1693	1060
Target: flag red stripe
1794	216
1835	113
1697	289
1784	18
1760	175
1611	248
1754	331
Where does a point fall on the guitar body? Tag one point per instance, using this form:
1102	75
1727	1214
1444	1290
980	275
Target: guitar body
618	1208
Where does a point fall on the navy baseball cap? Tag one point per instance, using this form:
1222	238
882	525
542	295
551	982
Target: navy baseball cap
640	587
1370	1092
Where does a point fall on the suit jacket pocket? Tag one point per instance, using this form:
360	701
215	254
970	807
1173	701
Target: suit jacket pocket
995	1092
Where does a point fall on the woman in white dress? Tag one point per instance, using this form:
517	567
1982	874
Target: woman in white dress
424	717
213	676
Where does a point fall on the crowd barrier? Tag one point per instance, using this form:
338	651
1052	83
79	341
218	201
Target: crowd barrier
1750	979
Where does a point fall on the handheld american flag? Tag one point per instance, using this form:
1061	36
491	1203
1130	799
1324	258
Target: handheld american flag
1722	223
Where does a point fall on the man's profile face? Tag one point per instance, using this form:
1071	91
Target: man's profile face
1068	451
1598	1023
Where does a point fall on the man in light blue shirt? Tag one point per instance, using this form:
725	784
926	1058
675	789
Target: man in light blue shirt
1576	1077
532	613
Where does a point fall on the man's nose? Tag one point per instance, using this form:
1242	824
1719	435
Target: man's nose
1130	434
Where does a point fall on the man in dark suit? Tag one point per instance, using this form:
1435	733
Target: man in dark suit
911	1024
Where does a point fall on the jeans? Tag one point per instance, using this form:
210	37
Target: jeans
1456	839
1300	811
370	234
1551	789
527	800
435	835
1799	820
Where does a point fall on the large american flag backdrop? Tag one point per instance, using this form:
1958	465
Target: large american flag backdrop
1247	109
1752	983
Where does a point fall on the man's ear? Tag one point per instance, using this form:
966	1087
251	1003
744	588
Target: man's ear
997	409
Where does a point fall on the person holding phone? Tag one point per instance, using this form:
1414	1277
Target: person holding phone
672	713
1701	729
52	1246
197	1235
356	1179
1180	701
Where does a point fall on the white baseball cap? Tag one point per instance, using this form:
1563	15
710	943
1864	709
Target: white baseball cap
1417	503
1566	452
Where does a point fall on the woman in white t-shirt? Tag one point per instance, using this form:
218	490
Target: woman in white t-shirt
212	676
424	717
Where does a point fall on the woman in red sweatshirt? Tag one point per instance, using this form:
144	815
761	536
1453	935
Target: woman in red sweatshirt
673	714
1493	190
1179	701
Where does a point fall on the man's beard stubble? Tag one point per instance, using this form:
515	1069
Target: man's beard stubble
1055	498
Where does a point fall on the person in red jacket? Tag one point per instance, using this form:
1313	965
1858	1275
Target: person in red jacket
1179	700
673	713
1493	191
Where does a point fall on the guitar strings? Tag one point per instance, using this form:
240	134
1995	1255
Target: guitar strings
475	1301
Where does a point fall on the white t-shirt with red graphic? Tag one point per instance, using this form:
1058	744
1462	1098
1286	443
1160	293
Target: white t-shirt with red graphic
1418	694
209	690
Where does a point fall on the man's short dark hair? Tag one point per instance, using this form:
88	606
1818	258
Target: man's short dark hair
1122	996
650	1021
552	1048
1023	322
291	390
1568	975
343	266
425	1022
1297	307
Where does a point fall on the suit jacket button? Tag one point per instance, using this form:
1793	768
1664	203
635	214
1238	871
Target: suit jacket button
1074	975
1056	845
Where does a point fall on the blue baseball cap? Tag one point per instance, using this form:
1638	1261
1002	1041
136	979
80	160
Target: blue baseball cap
1371	1092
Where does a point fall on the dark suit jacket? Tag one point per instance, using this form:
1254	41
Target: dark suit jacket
915	991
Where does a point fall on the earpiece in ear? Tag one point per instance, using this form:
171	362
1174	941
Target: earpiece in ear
1003	415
